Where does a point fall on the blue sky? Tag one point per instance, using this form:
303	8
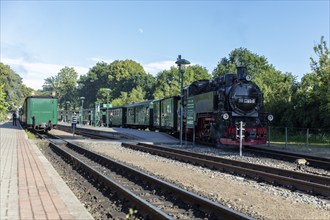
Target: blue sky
38	38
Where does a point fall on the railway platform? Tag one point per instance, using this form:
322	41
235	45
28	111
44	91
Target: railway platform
134	134
30	186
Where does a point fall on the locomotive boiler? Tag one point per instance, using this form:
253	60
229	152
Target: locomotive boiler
215	108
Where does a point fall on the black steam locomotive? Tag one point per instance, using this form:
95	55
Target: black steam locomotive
215	107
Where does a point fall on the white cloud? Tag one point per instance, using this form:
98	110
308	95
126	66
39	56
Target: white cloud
99	59
156	67
34	73
141	30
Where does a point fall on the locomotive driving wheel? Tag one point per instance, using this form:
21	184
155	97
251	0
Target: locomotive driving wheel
204	125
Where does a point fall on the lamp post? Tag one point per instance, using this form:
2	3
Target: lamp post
107	117
181	62
81	109
66	112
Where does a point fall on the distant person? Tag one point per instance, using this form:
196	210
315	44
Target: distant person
14	119
74	121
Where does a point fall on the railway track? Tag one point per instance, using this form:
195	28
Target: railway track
154	198
313	184
317	162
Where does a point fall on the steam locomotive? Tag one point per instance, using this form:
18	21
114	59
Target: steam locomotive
220	104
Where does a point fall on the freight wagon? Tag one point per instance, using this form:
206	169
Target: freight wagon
39	113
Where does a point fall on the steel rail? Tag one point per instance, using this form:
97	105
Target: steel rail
204	204
301	181
153	212
318	162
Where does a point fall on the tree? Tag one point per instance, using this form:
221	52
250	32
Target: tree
64	84
90	84
67	91
306	99
50	85
254	63
168	81
127	75
322	66
121	76
136	95
3	104
12	87
121	100
321	91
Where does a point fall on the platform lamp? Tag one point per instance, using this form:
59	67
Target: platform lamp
66	112
107	117
82	109
181	63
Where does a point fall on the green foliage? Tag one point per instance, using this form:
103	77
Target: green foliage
136	95
30	135
322	70
131	214
127	75
312	97
90	84
50	85
103	95
64	84
122	77
12	87
3	104
168	81
121	100
254	63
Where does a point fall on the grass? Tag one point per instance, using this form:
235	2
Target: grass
298	143
30	135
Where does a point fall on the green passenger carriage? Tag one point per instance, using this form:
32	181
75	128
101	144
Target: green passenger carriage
139	114
165	114
117	116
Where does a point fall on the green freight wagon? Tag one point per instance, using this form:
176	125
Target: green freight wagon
139	115
40	112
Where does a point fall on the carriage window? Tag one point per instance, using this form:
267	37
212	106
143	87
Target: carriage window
168	108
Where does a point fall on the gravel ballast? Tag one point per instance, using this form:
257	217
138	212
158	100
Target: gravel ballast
259	200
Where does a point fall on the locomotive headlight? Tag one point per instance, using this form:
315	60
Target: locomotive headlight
270	117
248	77
225	116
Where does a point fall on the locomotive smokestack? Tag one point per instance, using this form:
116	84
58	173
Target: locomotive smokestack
241	72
